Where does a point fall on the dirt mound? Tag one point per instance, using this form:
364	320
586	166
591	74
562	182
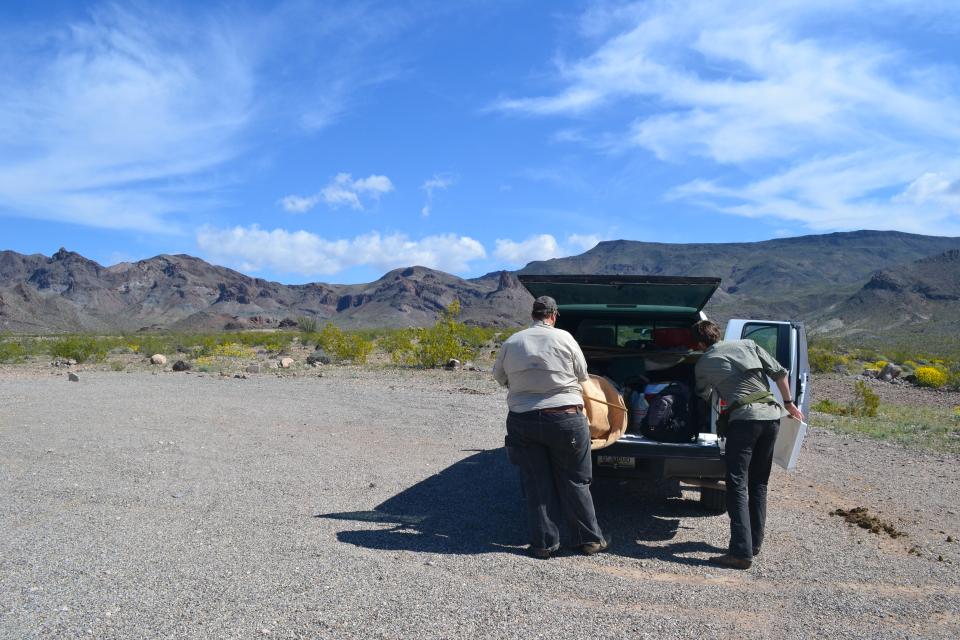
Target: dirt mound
861	517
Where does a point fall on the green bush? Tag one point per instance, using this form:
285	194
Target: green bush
400	345
930	377
80	348
865	403
824	361
307	324
12	351
829	406
448	338
343	346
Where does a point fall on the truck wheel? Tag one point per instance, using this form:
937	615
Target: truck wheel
714	500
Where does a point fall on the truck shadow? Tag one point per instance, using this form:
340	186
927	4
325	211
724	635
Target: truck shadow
476	506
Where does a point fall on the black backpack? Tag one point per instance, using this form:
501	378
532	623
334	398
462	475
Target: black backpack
669	418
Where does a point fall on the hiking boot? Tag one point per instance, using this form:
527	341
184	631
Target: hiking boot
731	562
539	554
593	548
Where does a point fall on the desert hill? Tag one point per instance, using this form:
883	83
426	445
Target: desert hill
844	283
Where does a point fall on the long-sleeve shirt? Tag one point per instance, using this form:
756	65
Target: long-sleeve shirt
734	369
542	367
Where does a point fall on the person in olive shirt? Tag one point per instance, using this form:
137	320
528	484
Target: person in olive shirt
737	370
548	437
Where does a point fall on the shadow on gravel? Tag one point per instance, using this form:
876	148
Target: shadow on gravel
470	507
476	506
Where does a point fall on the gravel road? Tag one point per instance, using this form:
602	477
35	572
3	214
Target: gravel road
378	503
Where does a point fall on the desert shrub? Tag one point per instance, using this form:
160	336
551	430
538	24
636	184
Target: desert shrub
80	348
865	403
399	344
307	324
232	350
448	338
343	346
829	406
930	377
354	348
823	360
118	366
878	365
12	351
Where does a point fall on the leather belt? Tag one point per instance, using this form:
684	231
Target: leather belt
570	408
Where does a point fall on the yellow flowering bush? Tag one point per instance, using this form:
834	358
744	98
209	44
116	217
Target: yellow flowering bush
930	377
232	350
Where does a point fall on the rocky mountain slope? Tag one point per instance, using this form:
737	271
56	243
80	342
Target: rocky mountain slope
922	297
68	292
843	282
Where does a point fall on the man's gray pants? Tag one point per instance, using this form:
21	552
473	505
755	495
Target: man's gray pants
552	451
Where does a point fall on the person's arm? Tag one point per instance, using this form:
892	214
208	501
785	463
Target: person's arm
784	386
499	374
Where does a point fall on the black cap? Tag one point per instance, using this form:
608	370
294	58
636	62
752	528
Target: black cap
545	304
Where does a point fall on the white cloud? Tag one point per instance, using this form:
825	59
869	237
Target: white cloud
114	123
301	252
583	242
342	190
765	90
542	247
438	182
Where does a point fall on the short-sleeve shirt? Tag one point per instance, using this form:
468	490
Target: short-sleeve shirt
542	367
736	368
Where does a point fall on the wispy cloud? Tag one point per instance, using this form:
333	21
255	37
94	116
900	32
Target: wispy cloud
108	124
305	253
135	118
343	190
439	182
764	89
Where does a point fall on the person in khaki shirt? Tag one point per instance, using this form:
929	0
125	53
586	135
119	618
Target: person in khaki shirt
737	370
548	437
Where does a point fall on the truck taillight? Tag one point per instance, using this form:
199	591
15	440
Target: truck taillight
723	405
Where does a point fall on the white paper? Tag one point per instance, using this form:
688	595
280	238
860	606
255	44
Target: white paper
786	450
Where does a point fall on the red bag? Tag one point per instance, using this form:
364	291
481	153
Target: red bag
669	337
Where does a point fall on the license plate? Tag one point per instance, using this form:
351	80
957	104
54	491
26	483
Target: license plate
617	462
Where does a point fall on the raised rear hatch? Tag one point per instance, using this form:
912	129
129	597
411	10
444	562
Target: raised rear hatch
657	294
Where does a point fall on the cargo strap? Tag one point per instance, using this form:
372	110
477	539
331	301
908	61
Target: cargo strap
615	406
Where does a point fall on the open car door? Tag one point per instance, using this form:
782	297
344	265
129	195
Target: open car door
787	342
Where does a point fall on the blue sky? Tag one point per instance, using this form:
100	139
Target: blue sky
325	141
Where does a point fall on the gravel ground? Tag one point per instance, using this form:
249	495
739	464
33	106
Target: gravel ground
378	503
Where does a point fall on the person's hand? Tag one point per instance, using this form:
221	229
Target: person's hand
794	411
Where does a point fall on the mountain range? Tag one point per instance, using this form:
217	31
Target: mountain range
864	283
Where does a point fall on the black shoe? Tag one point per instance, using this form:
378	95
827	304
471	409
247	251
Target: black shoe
756	551
593	548
539	554
730	562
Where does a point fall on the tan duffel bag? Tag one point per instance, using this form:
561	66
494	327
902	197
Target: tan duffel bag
606	411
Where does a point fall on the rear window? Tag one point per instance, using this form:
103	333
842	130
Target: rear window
613	333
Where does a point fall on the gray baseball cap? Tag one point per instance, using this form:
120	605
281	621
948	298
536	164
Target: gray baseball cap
544	304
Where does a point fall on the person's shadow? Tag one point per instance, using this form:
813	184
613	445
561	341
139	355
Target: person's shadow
476	506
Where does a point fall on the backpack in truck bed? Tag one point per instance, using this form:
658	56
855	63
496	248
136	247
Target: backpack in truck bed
669	417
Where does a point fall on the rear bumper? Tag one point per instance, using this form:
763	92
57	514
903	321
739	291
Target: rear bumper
659	460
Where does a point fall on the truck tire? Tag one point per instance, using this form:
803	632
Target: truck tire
713	500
